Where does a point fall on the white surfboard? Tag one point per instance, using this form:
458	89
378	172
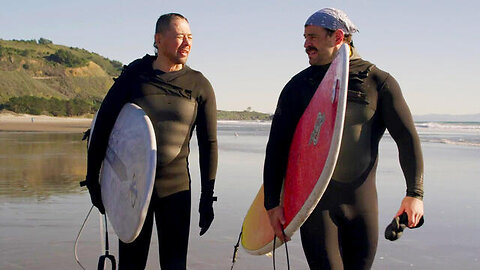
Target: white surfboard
128	171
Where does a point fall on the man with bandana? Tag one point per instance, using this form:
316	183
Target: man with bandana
342	231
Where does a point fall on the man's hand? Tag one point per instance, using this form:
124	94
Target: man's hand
410	214
206	212
414	209
206	206
277	220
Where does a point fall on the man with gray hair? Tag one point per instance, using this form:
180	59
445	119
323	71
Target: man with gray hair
177	99
342	231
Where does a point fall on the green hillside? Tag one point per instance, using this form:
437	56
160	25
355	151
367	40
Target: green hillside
53	74
39	77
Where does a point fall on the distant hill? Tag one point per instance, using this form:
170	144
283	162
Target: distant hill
243	115
39	77
447	118
52	73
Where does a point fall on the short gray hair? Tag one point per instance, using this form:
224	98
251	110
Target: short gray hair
163	23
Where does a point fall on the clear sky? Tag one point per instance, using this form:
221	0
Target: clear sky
250	49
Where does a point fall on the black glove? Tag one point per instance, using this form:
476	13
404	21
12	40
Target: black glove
206	206
95	193
395	229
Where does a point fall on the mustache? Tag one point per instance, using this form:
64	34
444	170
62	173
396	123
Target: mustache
311	48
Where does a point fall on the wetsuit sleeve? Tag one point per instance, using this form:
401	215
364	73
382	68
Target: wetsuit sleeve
113	102
206	128
400	125
276	157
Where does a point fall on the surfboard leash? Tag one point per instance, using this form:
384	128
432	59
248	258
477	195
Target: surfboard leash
235	249
286	251
86	136
102	259
107	255
75	247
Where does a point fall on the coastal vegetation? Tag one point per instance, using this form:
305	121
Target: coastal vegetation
39	77
51	106
243	115
81	107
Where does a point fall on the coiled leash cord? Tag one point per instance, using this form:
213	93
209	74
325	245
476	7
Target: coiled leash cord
103	258
286	251
235	251
75	247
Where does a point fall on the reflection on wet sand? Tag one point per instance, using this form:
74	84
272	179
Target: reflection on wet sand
40	165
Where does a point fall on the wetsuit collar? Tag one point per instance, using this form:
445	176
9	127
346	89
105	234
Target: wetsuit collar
323	68
165	76
170	76
320	68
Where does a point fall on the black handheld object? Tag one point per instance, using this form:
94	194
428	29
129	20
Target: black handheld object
395	229
206	206
206	213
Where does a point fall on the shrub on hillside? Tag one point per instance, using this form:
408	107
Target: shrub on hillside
116	64
44	41
52	106
67	58
78	106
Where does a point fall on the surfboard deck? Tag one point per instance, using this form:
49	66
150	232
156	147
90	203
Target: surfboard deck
311	161
127	175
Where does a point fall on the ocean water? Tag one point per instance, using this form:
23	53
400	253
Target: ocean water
42	206
459	133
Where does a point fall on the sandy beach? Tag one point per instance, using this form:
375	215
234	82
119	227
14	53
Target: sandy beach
42	123
42	206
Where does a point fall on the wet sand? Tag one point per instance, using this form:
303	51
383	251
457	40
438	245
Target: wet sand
42	206
42	123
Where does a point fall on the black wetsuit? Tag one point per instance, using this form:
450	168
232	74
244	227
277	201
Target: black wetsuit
344	224
176	103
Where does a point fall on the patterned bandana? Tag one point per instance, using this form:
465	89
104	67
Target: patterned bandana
332	19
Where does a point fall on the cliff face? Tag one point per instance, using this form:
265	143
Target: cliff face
30	68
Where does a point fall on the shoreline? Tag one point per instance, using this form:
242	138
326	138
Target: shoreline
14	122
42	123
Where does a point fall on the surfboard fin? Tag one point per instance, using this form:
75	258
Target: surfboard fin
86	135
235	249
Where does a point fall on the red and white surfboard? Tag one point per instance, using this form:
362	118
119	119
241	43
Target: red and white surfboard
311	162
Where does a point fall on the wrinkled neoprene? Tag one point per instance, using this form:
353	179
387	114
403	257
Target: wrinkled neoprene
164	97
176	103
172	220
